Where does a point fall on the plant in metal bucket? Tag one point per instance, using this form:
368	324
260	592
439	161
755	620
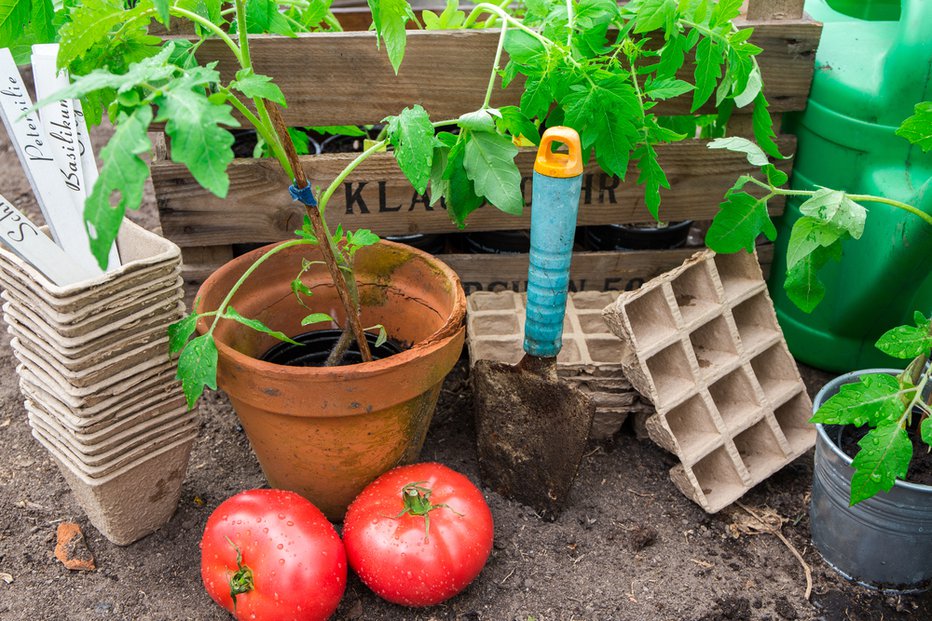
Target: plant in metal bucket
588	64
892	406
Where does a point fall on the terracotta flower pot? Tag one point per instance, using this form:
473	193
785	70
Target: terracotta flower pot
327	432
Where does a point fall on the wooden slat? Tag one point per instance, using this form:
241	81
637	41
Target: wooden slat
343	78
590	271
378	197
775	9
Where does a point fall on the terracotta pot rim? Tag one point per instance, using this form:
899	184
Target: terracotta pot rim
451	329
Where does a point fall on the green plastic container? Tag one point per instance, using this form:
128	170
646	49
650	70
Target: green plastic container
869	75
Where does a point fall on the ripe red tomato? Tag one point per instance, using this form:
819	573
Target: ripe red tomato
418	534
276	554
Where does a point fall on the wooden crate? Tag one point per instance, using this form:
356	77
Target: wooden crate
343	79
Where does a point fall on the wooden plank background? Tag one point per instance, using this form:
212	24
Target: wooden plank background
378	197
590	271
343	78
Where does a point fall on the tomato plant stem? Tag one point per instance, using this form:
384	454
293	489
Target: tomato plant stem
495	65
252	268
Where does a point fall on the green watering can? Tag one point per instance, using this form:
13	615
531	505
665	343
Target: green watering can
870	72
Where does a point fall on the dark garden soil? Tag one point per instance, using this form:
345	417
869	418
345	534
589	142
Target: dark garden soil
629	547
920	467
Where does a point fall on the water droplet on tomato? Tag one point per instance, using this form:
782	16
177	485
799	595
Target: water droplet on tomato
280	546
265	530
281	561
281	516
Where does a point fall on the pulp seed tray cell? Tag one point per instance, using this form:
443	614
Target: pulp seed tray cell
701	342
589	359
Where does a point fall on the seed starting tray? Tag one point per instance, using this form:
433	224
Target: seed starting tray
702	343
589	359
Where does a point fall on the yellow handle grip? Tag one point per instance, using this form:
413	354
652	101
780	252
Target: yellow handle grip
560	165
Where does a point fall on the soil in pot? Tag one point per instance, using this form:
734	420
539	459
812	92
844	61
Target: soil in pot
316	345
846	437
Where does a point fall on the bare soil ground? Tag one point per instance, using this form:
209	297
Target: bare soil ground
629	547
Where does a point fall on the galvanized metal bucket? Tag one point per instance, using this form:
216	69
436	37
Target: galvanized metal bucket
883	542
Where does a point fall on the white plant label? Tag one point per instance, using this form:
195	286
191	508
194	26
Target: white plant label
66	130
36	155
29	243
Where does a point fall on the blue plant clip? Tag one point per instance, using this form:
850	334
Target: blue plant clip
305	194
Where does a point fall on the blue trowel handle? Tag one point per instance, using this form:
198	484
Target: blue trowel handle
554	205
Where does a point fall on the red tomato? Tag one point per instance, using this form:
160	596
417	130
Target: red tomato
277	553
418	534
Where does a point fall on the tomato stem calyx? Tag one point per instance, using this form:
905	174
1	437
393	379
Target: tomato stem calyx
416	499
241	580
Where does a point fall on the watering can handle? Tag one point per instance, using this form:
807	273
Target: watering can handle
554	206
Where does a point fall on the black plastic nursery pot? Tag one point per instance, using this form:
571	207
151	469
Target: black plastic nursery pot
632	237
498	242
883	542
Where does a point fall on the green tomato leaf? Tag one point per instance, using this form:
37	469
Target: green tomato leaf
740	219
307	230
440	186
179	333
905	342
14	15
802	284
918	128
390	18
651	177
412	135
257	325
925	431
514	122
835	207
763	127
339	130
263	17
123	173
654	14
708	70
874	399
41	21
382	337
525	50
537	97
725	10
161	6
807	235
461	197
316	318
489	160
775	176
254	85
884	457
608	117
91	23
198	141
756	157
477	121
197	367
667	88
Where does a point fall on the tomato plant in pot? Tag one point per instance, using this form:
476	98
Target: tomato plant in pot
327	431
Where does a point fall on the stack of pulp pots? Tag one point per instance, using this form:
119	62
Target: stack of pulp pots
99	386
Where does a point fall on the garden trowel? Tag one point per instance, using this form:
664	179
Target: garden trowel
532	428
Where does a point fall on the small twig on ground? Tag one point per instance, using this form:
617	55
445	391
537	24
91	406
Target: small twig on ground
641	494
510	574
779	535
703	564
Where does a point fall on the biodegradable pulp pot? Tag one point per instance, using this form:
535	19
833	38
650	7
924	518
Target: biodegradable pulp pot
327	432
882	542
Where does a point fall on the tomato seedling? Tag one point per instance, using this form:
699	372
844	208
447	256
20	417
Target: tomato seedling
419	534
270	554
